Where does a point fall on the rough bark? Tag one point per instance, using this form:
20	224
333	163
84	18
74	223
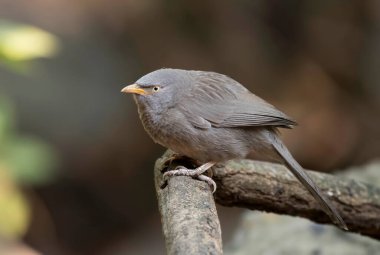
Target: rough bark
187	207
273	188
188	214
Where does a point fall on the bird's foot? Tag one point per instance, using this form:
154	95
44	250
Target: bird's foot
195	173
183	171
209	181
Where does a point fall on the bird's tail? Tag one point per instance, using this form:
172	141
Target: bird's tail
304	178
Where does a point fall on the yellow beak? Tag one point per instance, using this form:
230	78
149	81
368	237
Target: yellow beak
134	89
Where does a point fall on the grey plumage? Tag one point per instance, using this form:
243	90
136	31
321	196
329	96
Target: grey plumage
211	118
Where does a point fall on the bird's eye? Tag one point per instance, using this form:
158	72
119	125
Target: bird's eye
156	88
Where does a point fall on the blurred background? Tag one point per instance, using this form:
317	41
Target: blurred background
76	167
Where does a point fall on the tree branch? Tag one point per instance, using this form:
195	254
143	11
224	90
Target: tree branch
188	214
273	188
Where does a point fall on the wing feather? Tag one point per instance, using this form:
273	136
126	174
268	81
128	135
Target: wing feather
223	102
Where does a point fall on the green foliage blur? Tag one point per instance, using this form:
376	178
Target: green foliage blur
29	160
21	43
25	161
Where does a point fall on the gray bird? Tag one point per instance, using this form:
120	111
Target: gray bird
212	118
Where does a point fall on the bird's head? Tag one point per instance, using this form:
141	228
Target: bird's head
159	89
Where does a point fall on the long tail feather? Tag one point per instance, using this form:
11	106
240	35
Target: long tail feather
304	178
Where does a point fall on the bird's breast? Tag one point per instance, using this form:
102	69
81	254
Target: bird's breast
152	124
170	129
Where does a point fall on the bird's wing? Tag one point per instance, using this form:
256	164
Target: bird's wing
230	106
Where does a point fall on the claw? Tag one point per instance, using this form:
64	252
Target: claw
209	181
164	184
195	173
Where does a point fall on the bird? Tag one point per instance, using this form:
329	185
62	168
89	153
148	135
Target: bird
211	118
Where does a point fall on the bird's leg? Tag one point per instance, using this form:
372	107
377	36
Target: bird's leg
195	173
